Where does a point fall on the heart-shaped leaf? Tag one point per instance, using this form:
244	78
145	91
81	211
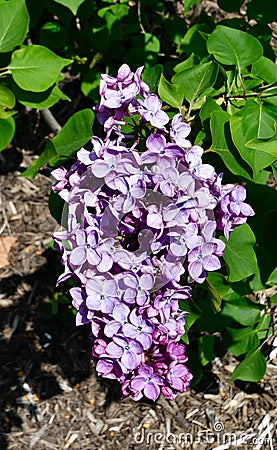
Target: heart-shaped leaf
234	47
14	23
35	68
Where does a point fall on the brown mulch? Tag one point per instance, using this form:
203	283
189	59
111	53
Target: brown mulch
50	395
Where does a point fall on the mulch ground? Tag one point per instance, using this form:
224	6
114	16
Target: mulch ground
50	395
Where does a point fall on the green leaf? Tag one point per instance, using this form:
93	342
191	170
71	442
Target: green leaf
263	327
7	98
267	147
234	47
48	154
40	100
192	60
272	279
239	254
188	4
206	348
265	69
75	133
240	340
219	282
215	297
73	5
194	314
195	81
252	368
14	23
209	106
7	129
220	130
170	93
35	68
152	75
194	40
245	126
273	299
242	310
267	122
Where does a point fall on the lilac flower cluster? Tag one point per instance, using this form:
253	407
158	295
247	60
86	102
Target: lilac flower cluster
142	211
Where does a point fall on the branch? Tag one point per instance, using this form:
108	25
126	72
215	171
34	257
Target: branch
51	121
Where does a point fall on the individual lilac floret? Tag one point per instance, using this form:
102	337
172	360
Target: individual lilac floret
129	352
146	383
150	110
179	131
202	259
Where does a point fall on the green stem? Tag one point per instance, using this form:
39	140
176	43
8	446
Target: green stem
5	73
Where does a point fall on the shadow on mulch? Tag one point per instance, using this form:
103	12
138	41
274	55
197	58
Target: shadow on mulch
36	350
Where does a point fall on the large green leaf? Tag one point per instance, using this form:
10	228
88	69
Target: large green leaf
219	282
73	5
170	93
194	314
7	98
239	254
195	81
265	69
188	4
242	310
264	328
252	368
35	68
240	340
75	133
206	348
7	129
14	23
220	130
272	280
48	154
39	100
192	60
152	75
267	147
246	125
234	47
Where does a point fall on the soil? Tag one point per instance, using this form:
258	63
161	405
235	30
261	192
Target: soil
50	395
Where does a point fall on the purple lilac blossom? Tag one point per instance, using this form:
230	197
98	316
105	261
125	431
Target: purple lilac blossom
141	223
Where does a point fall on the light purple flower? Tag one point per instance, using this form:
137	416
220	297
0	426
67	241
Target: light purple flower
146	383
129	352
138	329
150	109
120	315
202	258
101	294
179	131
